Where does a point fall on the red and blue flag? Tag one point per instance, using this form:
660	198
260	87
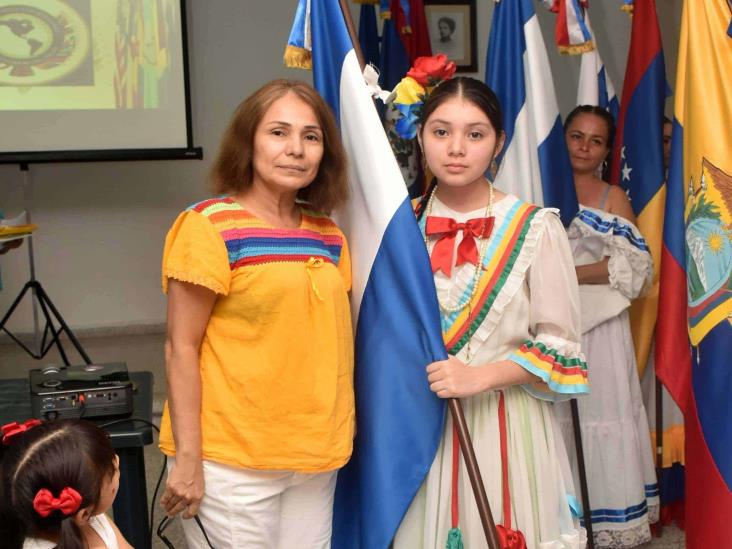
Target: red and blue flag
637	160
696	279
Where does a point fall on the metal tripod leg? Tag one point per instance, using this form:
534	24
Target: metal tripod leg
50	313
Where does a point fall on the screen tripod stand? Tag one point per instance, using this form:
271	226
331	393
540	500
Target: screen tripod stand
54	324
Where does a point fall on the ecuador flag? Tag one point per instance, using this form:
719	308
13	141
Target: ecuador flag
697	255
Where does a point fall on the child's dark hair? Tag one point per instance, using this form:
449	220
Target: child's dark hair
470	89
54	455
597	111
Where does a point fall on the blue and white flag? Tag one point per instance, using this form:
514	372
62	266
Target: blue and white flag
400	421
534	164
595	87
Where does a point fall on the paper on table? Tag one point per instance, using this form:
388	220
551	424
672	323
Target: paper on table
14	221
15	228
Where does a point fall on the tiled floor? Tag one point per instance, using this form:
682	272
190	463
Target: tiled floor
145	352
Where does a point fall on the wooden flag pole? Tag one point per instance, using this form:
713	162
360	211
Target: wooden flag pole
659	447
586	509
456	409
476	481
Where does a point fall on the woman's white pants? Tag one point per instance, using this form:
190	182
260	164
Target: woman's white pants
247	508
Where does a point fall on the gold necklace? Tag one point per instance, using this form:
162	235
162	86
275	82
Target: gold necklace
481	256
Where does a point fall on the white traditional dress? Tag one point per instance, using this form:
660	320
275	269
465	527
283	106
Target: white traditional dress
617	449
526	309
99	523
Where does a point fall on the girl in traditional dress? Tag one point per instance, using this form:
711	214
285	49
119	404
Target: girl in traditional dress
58	481
510	317
613	267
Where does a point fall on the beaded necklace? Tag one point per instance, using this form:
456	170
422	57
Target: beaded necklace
462	304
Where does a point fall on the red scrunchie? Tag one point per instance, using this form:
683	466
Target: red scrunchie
68	502
10	430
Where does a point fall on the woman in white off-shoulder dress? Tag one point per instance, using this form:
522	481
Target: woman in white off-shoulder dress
614	266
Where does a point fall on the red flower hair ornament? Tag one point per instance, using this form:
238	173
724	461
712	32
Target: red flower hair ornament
430	71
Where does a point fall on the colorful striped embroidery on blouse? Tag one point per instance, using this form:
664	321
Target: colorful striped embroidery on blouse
250	241
561	374
614	227
501	255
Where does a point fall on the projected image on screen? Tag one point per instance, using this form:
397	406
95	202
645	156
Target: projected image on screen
91	74
141	53
44	43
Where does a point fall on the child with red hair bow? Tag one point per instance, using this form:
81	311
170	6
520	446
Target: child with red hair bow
58	480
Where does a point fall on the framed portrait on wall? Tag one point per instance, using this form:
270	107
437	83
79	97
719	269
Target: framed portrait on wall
451	25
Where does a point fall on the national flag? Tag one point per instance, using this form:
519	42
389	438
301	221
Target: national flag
534	164
394	57
595	87
412	24
638	167
400	421
572	34
368	32
637	161
696	277
404	38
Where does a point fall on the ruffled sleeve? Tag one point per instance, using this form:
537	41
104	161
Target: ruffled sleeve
554	353
630	265
195	252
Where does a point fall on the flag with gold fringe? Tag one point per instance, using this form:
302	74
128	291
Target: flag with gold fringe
394	305
572	34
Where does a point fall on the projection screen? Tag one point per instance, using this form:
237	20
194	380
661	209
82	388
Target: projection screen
93	80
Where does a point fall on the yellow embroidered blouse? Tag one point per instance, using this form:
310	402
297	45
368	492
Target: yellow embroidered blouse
277	356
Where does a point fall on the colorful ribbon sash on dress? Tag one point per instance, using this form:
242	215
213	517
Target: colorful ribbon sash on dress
499	261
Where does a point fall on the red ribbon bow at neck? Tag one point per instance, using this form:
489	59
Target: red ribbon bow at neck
446	228
68	502
10	430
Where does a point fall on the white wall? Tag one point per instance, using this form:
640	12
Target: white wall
102	225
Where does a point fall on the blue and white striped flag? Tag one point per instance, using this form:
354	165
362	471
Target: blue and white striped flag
595	87
534	164
400	420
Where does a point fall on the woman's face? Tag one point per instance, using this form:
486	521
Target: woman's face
459	143
587	142
444	29
288	145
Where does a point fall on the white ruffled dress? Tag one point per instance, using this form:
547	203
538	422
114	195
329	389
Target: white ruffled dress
527	310
618	456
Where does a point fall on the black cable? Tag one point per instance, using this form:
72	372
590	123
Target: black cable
203	530
162	471
164	522
155	496
127	420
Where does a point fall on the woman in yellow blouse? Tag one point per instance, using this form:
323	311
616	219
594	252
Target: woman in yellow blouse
259	350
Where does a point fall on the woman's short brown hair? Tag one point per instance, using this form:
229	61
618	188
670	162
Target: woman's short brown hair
232	170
